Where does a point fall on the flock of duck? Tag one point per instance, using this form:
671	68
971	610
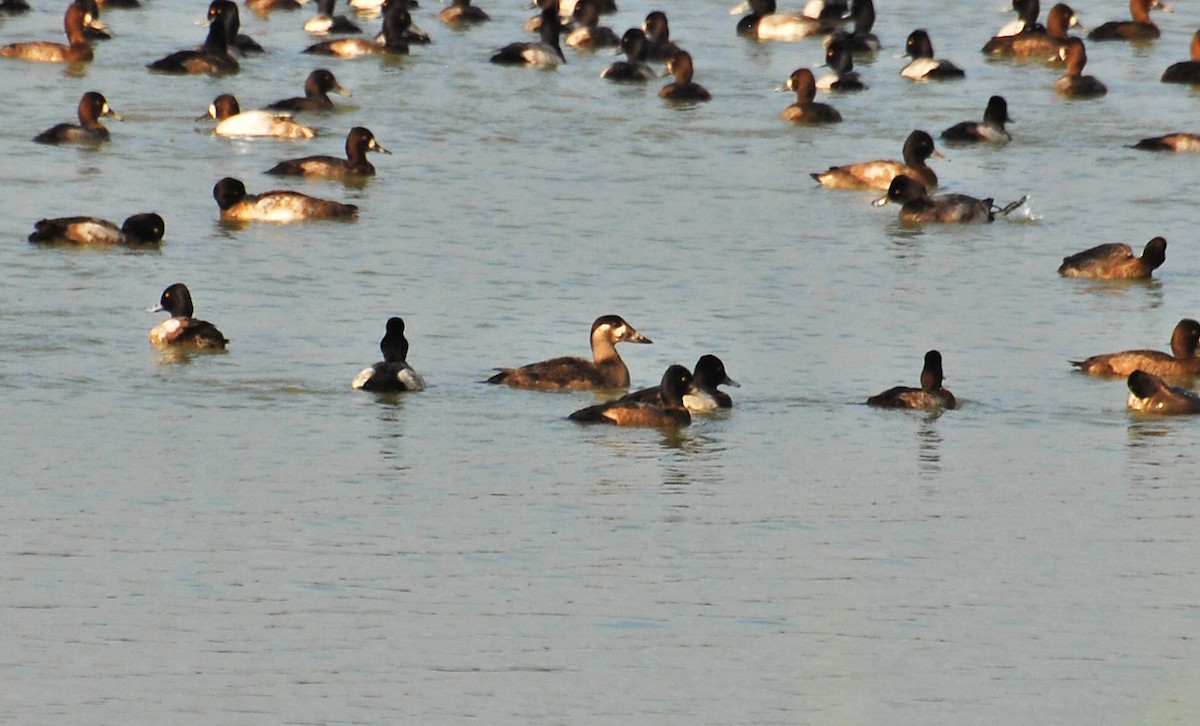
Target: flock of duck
847	32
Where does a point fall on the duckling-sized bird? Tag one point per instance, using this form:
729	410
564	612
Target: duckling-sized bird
317	87
181	329
358	142
634	68
668	411
920	208
1180	362
237	205
234	122
1170	142
1187	71
605	370
462	12
137	230
393	373
325	22
1074	84
1115	261
77	49
1141	27
544	54
683	88
924	66
92	106
991	130
704	396
805	110
878	175
931	396
1150	394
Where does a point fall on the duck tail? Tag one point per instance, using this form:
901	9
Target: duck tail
1012	205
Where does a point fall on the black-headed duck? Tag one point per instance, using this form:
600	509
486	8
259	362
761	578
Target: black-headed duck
634	68
991	130
924	66
1115	261
920	208
805	110
317	87
1074	84
588	33
842	76
92	107
462	12
358	142
1027	15
1150	394
668	411
137	230
704	395
394	41
13	7
932	395
233	121
76	50
1170	142
658	34
545	53
860	40
1180	362
605	370
393	373
274	206
1041	43
212	58
181	329
326	23
683	88
1141	27
764	23
878	175
226	12
1187	71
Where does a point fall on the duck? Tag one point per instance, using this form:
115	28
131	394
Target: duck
544	54
181	329
13	7
317	87
1150	394
860	40
634	68
325	22
212	58
1141	27
92	106
77	50
564	11
764	23
878	175
1074	84
658	34
1187	71
668	411
393	373
805	110
359	141
1027	15
1182	361
1115	261
137	230
1170	142
704	396
991	130
394	41
588	33
462	12
606	370
683	88
226	12
1042	43
830	11
263	8
920	208
274	206
410	33
931	396
95	29
233	121
923	66
841	63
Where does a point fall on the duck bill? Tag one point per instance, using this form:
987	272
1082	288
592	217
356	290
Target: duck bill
341	91
730	382
158	308
880	201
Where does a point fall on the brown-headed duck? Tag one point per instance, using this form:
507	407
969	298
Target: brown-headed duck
588	33
233	121
990	130
658	34
358	142
1180	362
1141	27
605	370
92	106
317	87
878	175
1074	84
1187	71
805	110
930	396
1042	43
462	12
634	68
668	411
274	206
1115	261
76	50
683	88
1150	394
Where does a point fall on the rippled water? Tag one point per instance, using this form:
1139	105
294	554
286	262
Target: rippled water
240	538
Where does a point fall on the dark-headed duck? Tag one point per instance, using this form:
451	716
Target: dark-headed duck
919	208
543	54
683	88
923	66
861	39
317	87
878	175
1170	142
990	130
634	68
588	33
1115	261
325	22
396	24
462	12
1141	27
704	395
358	142
77	49
930	396
842	76
658	34
212	58
181	329
669	410
1150	394
605	370
139	229
764	23
805	110
1187	71
1074	84
274	206
1181	361
233	121
92	106
1040	42
393	373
